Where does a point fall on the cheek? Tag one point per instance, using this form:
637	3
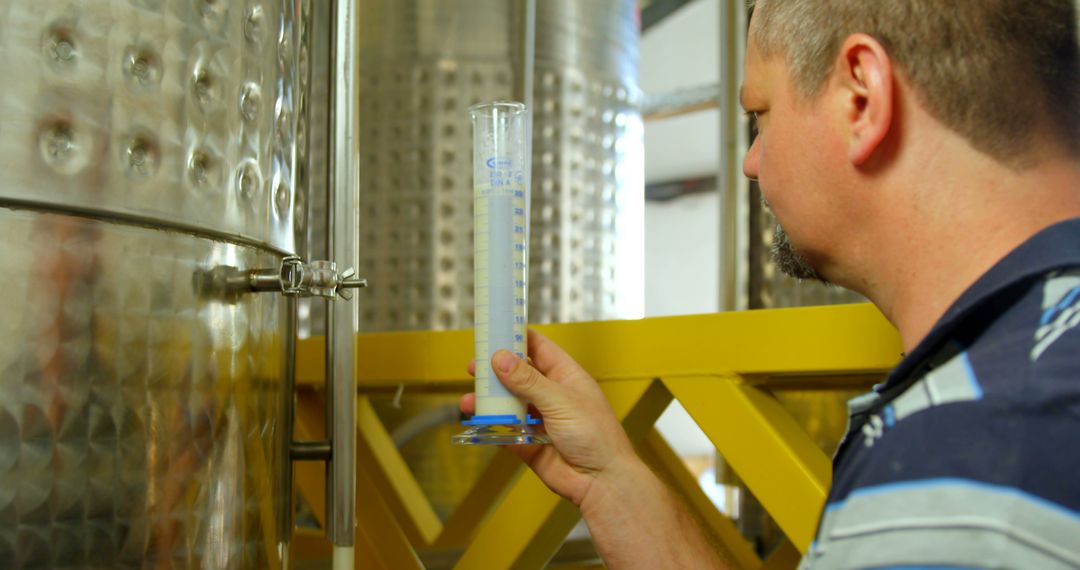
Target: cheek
797	162
778	166
794	179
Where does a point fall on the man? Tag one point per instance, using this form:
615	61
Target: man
926	155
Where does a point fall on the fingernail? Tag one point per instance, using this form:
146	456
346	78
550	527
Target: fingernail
505	361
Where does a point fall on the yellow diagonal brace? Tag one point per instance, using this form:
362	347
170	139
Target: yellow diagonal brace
766	447
845	339
381	542
459	528
530	523
379	458
366	556
377	525
785	557
659	455
309	545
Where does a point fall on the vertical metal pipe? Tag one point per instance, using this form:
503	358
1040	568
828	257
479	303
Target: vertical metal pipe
734	210
284	501
342	315
529	52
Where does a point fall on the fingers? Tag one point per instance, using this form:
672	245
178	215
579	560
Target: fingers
541	385
528	453
551	359
526	382
467	403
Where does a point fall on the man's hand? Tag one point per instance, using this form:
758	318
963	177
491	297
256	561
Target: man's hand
588	443
634	520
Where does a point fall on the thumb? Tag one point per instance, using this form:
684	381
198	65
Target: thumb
525	382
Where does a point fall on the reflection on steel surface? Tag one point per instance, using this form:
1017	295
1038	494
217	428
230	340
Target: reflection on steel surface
313	154
137	424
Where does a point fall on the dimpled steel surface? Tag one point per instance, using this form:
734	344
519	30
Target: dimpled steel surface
177	112
137	422
144	141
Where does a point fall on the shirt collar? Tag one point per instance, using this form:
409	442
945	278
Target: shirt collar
1055	247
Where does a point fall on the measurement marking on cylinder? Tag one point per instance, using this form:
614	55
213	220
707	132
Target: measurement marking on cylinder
501	254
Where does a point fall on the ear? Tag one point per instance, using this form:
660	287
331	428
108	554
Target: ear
866	81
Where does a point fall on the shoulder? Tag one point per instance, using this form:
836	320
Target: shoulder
973	462
960	483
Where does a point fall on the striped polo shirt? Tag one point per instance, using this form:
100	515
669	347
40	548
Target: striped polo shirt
968	455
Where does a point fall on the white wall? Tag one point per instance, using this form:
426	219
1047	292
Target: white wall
682	247
682	51
682	255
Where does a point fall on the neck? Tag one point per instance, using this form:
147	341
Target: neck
953	229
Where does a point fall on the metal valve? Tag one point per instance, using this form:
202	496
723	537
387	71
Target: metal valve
327	282
293	277
346	282
318	278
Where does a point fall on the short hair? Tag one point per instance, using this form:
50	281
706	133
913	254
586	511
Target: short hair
998	72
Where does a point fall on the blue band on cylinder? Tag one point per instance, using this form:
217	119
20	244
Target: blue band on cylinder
501	420
492	420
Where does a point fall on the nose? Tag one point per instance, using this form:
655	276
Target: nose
752	160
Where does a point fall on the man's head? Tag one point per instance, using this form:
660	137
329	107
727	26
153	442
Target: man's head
1003	75
998	72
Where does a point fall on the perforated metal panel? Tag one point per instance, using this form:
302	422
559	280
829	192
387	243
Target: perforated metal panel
422	64
177	112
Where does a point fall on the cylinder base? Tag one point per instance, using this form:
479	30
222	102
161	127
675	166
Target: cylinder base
501	434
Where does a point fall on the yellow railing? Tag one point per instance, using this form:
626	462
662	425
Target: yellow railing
720	367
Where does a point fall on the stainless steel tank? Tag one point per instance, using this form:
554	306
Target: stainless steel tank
422	63
143	143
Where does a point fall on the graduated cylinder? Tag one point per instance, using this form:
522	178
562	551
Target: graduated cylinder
501	256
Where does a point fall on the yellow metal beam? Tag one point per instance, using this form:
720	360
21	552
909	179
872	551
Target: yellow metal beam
381	541
380	459
463	523
523	531
837	340
786	557
659	455
366	556
530	523
377	526
309	545
771	453
700	359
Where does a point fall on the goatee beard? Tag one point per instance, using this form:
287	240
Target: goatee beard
789	261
